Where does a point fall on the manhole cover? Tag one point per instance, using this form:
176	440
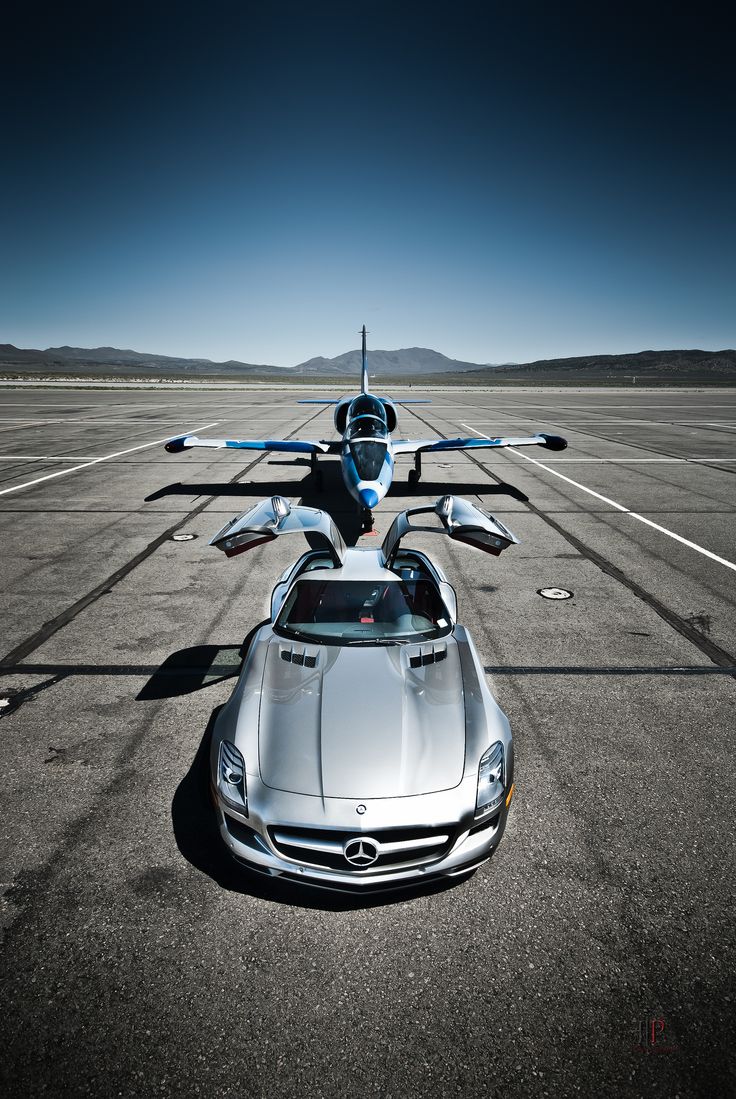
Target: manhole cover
554	593
182	537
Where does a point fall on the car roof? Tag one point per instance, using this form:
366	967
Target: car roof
358	564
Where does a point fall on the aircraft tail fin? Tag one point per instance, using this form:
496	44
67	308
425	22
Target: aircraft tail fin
364	369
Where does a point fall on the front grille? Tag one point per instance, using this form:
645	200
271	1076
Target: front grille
396	847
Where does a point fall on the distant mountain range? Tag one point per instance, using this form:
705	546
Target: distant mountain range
112	361
408	364
693	367
409	360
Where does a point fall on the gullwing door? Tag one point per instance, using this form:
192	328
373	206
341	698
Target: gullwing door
458	519
274	517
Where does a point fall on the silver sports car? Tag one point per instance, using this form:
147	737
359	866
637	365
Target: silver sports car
361	748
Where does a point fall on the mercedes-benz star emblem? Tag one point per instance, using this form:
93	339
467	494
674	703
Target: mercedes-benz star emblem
361	851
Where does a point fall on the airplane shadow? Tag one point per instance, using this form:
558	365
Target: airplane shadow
465	488
331	496
199	842
244	490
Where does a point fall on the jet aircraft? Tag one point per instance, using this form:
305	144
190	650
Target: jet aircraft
366	448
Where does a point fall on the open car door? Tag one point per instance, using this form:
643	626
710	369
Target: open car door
459	520
273	517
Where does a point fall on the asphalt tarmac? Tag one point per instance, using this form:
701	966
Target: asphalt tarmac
593	955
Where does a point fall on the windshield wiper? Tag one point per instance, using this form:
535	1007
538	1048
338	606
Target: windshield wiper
375	641
287	632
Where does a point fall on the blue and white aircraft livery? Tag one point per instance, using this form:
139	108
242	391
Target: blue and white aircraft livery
366	448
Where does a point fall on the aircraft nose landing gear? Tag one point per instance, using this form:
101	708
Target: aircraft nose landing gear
366	520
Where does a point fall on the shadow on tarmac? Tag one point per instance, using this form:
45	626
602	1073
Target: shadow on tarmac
190	670
329	494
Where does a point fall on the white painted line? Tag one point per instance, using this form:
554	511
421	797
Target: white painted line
510	418
95	461
627	511
626	461
47	457
81	423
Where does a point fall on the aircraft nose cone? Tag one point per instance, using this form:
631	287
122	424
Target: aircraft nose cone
368	497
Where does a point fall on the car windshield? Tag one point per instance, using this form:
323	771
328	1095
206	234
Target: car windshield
348	612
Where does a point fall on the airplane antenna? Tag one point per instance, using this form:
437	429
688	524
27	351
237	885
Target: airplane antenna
364	372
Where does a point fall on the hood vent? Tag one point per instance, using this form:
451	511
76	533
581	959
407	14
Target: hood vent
428	656
299	656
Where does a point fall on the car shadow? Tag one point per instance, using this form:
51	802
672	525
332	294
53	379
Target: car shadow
190	670
198	840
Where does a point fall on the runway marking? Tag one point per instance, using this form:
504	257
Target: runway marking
572	669
624	461
620	507
47	457
510	418
229	670
82	423
96	461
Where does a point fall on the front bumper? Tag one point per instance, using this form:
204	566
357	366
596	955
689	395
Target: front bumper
251	841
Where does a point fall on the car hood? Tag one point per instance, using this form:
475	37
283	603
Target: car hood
362	723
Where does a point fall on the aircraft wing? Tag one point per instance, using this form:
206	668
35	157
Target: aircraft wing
287	446
412	446
314	400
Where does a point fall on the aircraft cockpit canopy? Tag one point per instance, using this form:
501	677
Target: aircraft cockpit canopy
366	427
366	405
367	435
367	438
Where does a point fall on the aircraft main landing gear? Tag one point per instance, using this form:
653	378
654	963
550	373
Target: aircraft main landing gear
316	473
416	473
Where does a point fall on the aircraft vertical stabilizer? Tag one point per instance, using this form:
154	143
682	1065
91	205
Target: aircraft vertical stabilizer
364	371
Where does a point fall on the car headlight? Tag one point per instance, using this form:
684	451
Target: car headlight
490	780
231	776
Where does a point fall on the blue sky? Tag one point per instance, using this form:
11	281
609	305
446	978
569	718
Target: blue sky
255	181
